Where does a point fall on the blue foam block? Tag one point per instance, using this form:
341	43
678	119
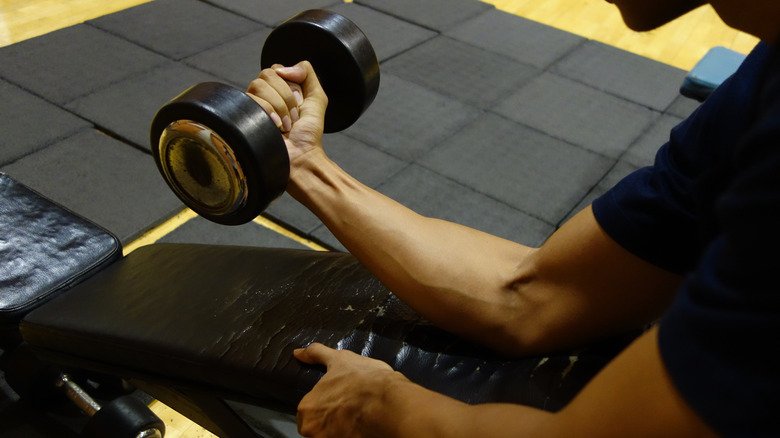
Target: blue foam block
715	67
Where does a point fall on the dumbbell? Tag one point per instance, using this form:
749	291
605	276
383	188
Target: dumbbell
221	153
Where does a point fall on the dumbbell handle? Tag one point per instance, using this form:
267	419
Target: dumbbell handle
78	396
89	406
221	153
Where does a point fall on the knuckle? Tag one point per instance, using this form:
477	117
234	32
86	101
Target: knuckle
305	429
266	73
257	85
252	86
305	404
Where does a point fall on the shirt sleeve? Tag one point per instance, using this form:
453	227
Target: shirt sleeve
720	340
663	213
650	212
709	208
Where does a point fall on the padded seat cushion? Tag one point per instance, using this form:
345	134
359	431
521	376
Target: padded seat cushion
44	250
228	318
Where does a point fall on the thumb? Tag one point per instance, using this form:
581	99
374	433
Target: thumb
296	73
314	354
303	74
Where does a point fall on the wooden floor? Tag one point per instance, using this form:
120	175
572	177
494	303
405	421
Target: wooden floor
680	44
23	19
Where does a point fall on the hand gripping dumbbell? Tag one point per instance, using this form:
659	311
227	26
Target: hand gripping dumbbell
221	153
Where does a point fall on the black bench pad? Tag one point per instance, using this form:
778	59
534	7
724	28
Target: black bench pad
228	318
44	250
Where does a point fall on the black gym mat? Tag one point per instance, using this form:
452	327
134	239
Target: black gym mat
577	114
523	40
438	15
126	108
482	117
643	150
389	36
623	74
101	178
29	123
176	28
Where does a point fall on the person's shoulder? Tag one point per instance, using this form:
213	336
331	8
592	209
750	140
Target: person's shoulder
769	93
759	143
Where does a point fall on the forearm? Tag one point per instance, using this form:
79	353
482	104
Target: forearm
615	403
359	396
579	286
408	409
447	272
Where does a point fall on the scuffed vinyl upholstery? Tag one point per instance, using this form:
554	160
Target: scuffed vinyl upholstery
228	318
44	249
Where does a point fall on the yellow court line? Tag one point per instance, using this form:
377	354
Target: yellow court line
278	228
158	232
169	225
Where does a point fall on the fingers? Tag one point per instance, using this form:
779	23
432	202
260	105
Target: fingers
314	354
297	73
288	94
298	99
279	98
269	109
293	98
303	73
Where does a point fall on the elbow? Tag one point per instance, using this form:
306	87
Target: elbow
530	320
518	330
521	340
522	325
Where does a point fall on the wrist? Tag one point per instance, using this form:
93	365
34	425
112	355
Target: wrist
409	409
383	415
306	169
319	183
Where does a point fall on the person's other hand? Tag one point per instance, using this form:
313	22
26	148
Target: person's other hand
296	102
347	397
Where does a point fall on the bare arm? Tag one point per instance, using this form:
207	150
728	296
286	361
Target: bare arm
632	396
519	300
577	286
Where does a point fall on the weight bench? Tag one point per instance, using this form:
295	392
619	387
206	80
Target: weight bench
209	330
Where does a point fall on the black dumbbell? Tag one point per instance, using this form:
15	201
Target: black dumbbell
221	153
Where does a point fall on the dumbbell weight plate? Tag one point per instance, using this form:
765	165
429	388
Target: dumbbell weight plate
341	55
220	153
124	417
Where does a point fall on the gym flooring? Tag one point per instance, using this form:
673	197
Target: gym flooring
507	116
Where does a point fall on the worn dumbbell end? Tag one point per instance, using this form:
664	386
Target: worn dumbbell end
221	153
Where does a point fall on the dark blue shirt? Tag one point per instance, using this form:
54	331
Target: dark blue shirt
709	208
